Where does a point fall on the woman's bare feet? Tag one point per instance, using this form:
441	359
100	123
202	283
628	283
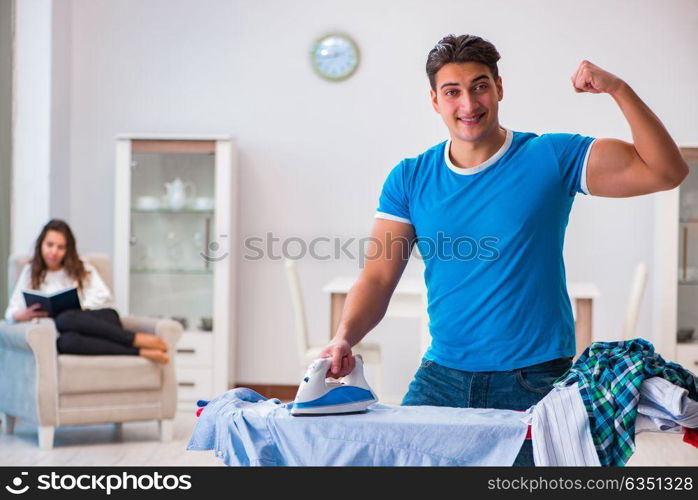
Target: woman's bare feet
155	355
144	340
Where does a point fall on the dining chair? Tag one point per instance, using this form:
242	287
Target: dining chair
307	353
637	291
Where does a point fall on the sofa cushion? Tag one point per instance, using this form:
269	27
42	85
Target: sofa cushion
82	374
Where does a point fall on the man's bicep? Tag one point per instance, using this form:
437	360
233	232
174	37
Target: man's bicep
616	170
388	250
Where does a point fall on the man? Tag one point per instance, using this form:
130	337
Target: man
488	210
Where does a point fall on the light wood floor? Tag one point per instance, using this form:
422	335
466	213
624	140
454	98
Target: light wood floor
661	448
100	445
139	445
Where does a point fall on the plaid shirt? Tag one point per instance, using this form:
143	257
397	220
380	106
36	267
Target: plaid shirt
609	375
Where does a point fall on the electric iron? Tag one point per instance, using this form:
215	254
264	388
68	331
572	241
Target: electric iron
319	397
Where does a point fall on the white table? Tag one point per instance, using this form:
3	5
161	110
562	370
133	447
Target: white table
409	300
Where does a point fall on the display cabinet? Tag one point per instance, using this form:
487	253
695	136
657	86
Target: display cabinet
687	278
174	248
676	261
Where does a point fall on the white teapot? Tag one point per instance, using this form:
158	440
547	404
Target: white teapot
177	193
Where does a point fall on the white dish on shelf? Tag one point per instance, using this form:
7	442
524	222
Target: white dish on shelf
203	203
148	203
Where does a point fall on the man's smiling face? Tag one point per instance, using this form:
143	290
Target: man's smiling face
467	98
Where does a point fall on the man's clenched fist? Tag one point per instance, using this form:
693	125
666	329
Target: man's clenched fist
590	78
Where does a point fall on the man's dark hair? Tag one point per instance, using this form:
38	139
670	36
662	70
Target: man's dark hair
460	49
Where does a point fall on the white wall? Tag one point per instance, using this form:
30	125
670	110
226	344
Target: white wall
41	155
61	52
31	155
314	154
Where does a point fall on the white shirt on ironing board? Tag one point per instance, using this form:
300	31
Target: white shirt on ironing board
94	295
560	430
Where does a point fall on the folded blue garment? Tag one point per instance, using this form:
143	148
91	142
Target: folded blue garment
245	429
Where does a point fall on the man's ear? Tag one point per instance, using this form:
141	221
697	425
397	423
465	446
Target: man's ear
500	88
434	101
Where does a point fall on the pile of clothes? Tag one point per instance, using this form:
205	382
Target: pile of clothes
612	392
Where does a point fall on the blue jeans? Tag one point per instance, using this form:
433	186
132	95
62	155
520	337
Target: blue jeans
436	385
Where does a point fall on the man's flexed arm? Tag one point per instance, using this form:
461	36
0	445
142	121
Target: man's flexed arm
619	169
386	258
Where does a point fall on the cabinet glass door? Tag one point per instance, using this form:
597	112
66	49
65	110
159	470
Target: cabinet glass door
172	228
687	317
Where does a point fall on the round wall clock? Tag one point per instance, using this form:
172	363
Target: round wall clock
335	56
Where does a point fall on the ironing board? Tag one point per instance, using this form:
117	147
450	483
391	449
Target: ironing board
245	429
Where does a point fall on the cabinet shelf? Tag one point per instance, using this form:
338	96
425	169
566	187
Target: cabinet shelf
171	211
171	271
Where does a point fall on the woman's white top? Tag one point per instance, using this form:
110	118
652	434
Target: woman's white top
94	295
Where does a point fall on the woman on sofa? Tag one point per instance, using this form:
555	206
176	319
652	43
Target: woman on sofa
94	329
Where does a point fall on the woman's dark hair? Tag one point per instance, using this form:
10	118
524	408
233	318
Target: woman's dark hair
71	262
460	49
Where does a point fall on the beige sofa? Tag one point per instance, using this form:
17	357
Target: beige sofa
53	390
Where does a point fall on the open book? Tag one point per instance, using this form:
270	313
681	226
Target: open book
54	303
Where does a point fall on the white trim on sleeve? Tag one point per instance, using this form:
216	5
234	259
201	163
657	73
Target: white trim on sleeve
584	186
383	215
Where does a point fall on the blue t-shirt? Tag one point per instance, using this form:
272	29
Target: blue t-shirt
491	238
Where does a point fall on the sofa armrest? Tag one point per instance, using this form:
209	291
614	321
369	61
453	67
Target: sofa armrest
38	335
170	331
14	335
136	324
29	382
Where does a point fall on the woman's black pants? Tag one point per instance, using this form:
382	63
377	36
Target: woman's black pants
96	331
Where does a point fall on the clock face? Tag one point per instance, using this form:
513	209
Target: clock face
335	56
